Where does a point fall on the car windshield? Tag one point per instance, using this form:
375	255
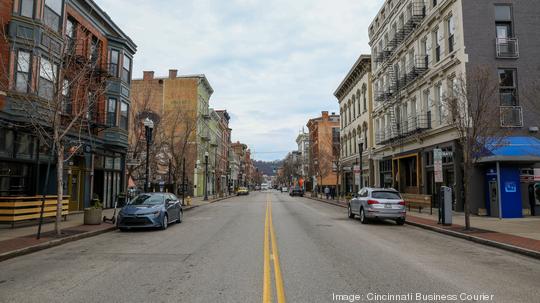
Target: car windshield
390	195
146	199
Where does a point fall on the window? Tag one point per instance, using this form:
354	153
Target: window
94	50
27	8
126	69
111	112
437	36
6	142
52	13
364	99
354	108
434	2
70	34
438	102
22	81
503	13
451	31
426	48
91	113
508	87
114	56
48	75
66	95
124	111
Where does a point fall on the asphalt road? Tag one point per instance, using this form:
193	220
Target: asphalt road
216	255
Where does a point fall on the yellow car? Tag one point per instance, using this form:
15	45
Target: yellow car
242	191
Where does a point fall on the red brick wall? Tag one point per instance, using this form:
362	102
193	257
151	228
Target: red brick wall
6	7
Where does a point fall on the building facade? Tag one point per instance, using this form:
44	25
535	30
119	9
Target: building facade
48	46
354	95
179	106
324	137
421	50
303	158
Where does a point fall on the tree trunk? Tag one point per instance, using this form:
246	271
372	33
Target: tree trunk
59	188
466	177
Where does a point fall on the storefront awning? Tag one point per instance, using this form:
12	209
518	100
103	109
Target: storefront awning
513	149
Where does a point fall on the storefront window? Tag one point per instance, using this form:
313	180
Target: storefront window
25	146
13	178
6	143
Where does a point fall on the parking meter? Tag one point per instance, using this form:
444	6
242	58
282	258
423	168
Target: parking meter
446	205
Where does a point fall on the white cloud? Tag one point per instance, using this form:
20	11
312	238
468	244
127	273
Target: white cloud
272	64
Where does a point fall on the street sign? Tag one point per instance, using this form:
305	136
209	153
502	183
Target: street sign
437	164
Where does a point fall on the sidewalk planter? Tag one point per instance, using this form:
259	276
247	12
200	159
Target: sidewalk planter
93	216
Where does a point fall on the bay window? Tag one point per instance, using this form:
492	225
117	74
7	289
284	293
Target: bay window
126	69
52	14
114	56
48	75
124	111
22	80
111	112
26	8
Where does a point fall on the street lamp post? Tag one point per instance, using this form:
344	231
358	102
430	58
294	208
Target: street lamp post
205	176
148	127
360	152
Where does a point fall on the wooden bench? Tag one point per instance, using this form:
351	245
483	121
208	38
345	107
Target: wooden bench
419	201
15	209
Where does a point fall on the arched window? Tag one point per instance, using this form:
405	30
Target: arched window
364	98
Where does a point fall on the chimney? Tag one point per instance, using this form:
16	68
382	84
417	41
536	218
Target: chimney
148	75
173	73
325	114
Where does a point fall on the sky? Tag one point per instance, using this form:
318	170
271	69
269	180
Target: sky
273	64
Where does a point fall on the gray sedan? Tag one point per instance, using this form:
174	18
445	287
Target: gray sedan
150	210
377	203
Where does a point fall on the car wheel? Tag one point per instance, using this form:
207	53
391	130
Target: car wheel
122	229
400	221
165	222
363	218
349	211
180	214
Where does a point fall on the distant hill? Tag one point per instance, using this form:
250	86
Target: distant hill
267	167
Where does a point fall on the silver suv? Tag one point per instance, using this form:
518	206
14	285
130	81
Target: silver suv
380	203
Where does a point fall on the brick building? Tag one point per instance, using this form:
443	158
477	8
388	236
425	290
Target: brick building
44	38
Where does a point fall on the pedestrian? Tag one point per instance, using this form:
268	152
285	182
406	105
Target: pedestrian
333	193
327	192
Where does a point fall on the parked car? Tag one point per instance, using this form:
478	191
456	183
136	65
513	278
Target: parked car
378	203
150	210
296	191
242	191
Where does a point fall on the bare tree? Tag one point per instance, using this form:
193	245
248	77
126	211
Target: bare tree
470	109
141	108
65	103
178	136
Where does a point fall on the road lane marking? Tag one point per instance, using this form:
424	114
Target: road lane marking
280	290
266	276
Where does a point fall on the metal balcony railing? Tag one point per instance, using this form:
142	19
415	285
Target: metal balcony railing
507	47
404	128
511	116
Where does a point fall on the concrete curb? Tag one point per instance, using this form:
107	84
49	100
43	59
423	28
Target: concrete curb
57	242
209	202
507	247
53	243
504	246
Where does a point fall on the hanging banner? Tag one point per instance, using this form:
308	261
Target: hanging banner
437	165
357	172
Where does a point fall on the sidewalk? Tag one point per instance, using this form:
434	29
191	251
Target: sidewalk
517	235
22	239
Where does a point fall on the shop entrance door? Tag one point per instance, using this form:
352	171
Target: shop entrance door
75	190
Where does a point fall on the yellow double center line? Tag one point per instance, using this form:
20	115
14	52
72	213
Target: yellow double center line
270	240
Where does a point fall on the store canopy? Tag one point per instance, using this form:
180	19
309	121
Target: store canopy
512	149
